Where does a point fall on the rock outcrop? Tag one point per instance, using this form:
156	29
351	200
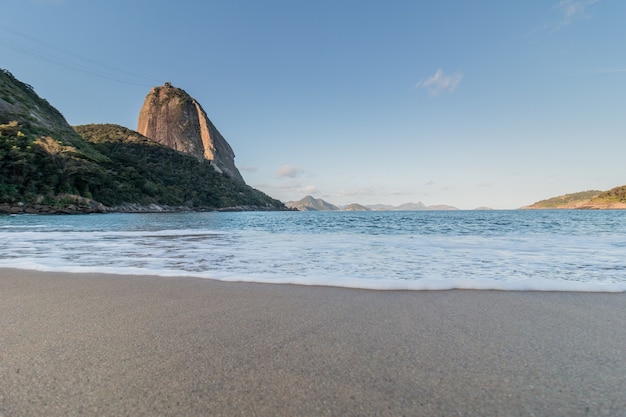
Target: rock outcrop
173	118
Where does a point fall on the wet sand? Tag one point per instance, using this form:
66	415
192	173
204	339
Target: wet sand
90	344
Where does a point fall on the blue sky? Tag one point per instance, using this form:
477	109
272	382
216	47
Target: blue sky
482	103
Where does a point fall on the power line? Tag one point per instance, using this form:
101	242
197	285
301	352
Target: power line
76	63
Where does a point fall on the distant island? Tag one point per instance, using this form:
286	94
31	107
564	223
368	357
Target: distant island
180	162
586	200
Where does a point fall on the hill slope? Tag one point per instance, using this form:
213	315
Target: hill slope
574	200
615	198
146	172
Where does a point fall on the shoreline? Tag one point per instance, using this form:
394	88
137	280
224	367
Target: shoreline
471	284
93	207
99	344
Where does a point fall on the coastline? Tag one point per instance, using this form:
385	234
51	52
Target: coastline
93	207
97	344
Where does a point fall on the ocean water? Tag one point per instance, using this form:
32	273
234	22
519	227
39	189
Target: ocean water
413	250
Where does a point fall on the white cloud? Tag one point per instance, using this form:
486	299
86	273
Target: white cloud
288	171
571	10
439	82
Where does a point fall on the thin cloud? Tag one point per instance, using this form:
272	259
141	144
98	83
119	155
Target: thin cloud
289	187
399	193
572	10
288	191
288	171
310	190
440	83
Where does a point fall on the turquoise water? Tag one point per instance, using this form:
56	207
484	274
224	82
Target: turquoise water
416	250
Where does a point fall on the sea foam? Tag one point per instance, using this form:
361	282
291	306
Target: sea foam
514	250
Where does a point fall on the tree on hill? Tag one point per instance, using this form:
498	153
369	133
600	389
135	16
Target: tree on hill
147	172
614	195
567	201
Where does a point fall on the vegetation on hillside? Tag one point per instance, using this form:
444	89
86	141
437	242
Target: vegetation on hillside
36	117
614	195
567	200
42	170
146	172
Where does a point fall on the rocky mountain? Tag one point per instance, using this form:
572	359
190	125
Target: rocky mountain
309	203
48	167
614	198
173	118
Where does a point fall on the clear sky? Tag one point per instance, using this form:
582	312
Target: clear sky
466	103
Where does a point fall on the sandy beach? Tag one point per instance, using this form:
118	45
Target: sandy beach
104	345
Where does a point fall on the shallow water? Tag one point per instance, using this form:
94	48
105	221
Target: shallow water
516	249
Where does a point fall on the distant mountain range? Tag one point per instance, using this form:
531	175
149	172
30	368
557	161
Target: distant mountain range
612	199
310	203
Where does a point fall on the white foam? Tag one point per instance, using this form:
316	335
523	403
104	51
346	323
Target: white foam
530	284
246	249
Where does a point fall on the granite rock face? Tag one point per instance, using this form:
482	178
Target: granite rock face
173	118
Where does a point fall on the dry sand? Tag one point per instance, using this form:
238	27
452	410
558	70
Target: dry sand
81	345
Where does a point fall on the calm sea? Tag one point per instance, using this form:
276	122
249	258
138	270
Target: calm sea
416	250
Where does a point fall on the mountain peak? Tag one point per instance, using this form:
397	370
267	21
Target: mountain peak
309	203
173	118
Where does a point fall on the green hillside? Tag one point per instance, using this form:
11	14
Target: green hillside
566	201
47	166
614	195
143	171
